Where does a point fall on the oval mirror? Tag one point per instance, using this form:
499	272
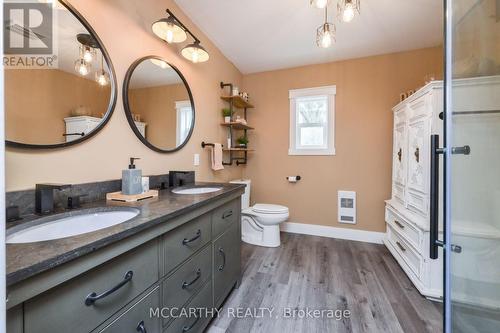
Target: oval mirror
60	87
159	104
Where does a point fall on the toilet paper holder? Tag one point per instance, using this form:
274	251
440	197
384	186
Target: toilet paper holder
293	179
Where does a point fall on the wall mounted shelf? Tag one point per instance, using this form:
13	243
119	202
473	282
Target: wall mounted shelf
240	103
237	101
238	126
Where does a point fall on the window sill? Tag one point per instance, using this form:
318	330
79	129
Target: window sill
311	152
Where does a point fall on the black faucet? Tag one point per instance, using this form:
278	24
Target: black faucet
44	197
180	178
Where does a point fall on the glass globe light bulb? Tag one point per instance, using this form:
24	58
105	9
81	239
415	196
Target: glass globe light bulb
348	14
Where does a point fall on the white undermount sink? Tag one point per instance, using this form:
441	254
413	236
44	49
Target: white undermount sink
66	226
197	190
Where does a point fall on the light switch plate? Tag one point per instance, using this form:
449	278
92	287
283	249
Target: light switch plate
196	160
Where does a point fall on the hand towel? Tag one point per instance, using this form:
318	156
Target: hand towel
217	157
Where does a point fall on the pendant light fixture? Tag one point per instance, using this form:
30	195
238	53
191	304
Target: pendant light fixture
172	30
169	30
325	34
348	9
88	46
320	3
101	76
82	67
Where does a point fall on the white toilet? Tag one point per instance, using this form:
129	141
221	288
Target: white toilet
260	223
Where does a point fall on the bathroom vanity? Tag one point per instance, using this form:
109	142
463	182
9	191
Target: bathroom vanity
180	252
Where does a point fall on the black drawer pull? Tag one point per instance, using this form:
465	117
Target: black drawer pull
227	214
141	327
186	241
187	284
92	297
399	224
188	328
223	255
401	247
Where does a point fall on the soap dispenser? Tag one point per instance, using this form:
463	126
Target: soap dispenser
132	179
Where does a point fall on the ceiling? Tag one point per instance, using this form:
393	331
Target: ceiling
263	35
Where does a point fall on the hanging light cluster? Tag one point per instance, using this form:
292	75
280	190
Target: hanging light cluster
172	30
87	53
346	11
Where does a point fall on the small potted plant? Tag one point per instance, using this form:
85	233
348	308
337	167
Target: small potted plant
227	114
242	141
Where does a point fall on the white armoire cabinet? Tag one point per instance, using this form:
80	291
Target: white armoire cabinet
407	212
75	126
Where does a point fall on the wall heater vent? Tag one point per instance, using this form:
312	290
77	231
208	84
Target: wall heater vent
347	207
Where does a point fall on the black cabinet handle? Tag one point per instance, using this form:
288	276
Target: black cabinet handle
400	153
434	198
141	327
417	155
188	328
401	247
223	255
92	297
187	284
227	214
186	241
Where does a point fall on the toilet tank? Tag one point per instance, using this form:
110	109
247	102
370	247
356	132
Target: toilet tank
245	198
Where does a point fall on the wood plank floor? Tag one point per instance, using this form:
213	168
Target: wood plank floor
325	274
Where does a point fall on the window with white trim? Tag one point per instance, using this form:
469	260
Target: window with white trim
184	120
312	121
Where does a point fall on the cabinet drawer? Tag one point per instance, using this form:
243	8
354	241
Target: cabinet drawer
404	228
182	242
187	280
137	318
417	202
226	266
410	257
194	322
225	216
63	308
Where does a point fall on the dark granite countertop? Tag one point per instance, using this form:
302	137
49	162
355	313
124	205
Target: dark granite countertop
28	259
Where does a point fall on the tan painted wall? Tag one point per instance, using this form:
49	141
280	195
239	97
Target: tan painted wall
38	100
125	28
156	105
367	89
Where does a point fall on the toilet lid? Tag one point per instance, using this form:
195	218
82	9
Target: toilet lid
269	209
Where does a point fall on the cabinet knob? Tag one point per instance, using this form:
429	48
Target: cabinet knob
417	154
400	153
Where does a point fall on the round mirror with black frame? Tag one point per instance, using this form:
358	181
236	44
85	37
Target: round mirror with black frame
67	100
159	104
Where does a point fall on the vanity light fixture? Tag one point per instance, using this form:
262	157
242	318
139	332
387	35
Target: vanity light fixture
347	9
172	30
101	76
169	30
195	52
325	34
320	3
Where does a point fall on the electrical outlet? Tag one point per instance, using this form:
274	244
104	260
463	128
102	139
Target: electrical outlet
196	160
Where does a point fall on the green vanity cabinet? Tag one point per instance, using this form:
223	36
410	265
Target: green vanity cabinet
137	317
66	309
190	261
226	263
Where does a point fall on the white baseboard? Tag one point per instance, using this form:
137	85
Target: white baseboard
332	232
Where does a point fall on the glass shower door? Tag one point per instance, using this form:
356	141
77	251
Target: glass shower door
472	167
